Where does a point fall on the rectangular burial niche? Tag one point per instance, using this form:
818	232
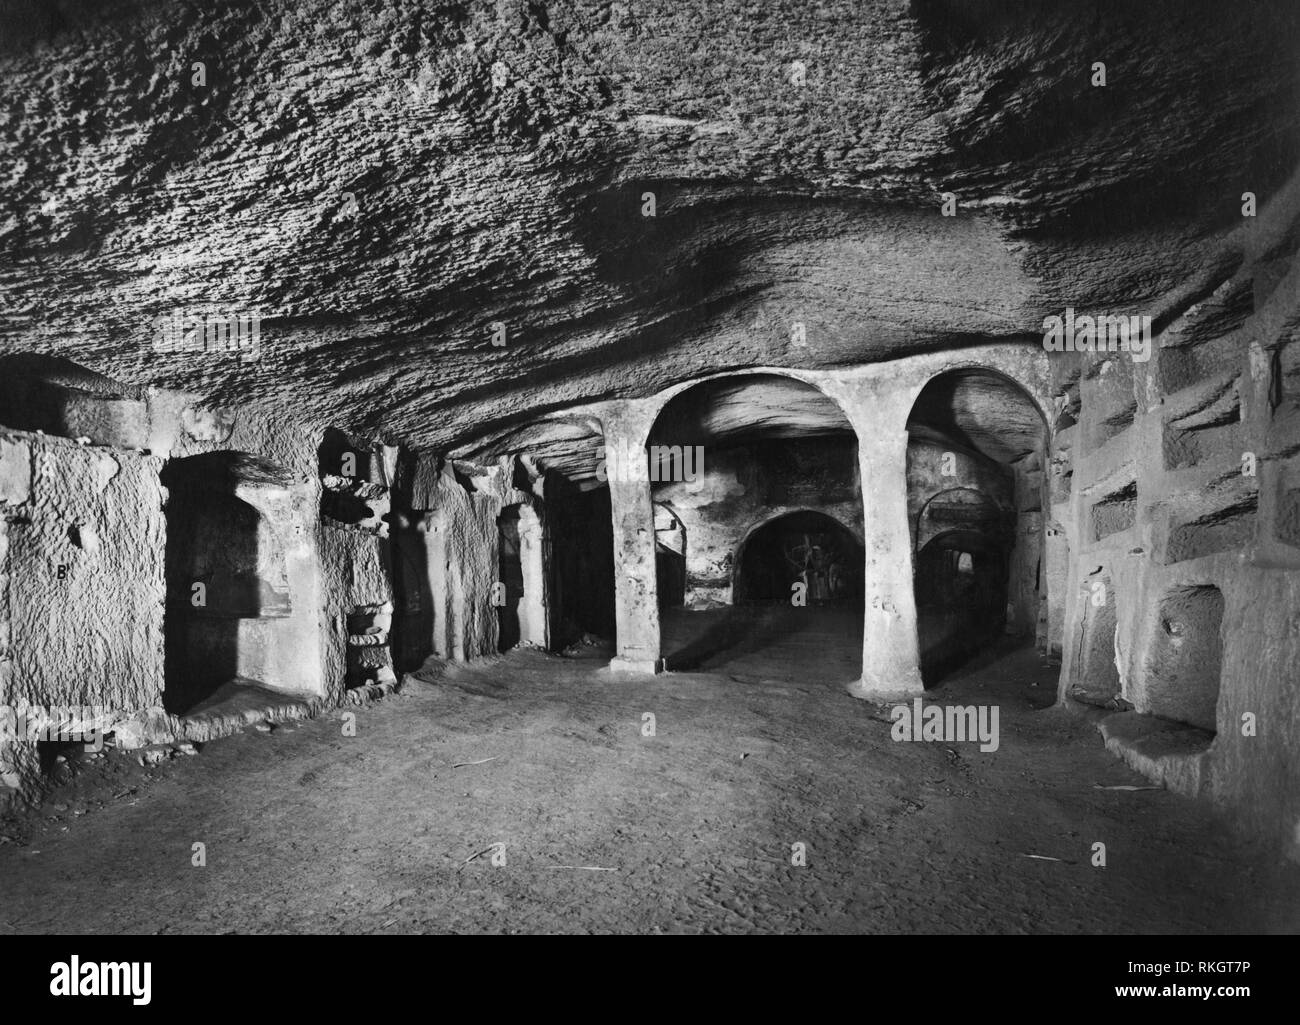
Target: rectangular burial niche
1223	530
1186	657
1210	428
1109	403
1287	517
225	564
1096	675
1202	344
1116	512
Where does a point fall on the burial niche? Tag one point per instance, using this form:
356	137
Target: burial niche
227	581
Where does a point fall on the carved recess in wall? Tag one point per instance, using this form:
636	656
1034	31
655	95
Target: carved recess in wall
966	510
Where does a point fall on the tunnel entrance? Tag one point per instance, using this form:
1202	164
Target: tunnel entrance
510	575
581	586
802	551
762	507
961	597
975	493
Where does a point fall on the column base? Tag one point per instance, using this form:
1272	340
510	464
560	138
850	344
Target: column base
635	666
895	688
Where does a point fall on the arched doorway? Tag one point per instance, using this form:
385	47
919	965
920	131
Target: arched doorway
760	472
976	495
960	597
804	551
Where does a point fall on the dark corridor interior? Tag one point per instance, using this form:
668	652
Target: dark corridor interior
961	600
976	449
510	575
803	548
773	629
582	563
222	566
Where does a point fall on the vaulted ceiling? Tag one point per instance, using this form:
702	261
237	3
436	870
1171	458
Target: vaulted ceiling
980	410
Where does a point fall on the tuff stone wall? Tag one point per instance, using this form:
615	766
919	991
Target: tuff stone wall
1185	572
84	567
81	594
87	614
480	166
460	504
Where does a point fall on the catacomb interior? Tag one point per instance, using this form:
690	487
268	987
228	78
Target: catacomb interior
976	450
754	478
543	343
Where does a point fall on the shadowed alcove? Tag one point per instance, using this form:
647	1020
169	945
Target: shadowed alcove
807	550
226	575
976	445
763	503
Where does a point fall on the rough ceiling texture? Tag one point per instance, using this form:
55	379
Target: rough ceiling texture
753	407
980	410
497	155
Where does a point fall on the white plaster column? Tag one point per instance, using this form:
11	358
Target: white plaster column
636	594
891	665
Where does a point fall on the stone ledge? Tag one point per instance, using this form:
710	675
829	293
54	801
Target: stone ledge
1169	753
237	705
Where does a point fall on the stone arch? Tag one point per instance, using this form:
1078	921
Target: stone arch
848	582
970	509
992	485
655	404
780	445
958	365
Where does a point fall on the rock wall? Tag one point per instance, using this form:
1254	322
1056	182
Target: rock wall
84	567
97	554
461	504
81	596
1184	581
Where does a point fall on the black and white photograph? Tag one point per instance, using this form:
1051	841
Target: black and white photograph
485	468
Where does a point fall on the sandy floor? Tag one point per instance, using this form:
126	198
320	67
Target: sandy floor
310	830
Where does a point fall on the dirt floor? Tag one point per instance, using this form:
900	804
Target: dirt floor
608	830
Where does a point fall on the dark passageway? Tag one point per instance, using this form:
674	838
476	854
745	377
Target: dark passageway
582	563
806	553
976	448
